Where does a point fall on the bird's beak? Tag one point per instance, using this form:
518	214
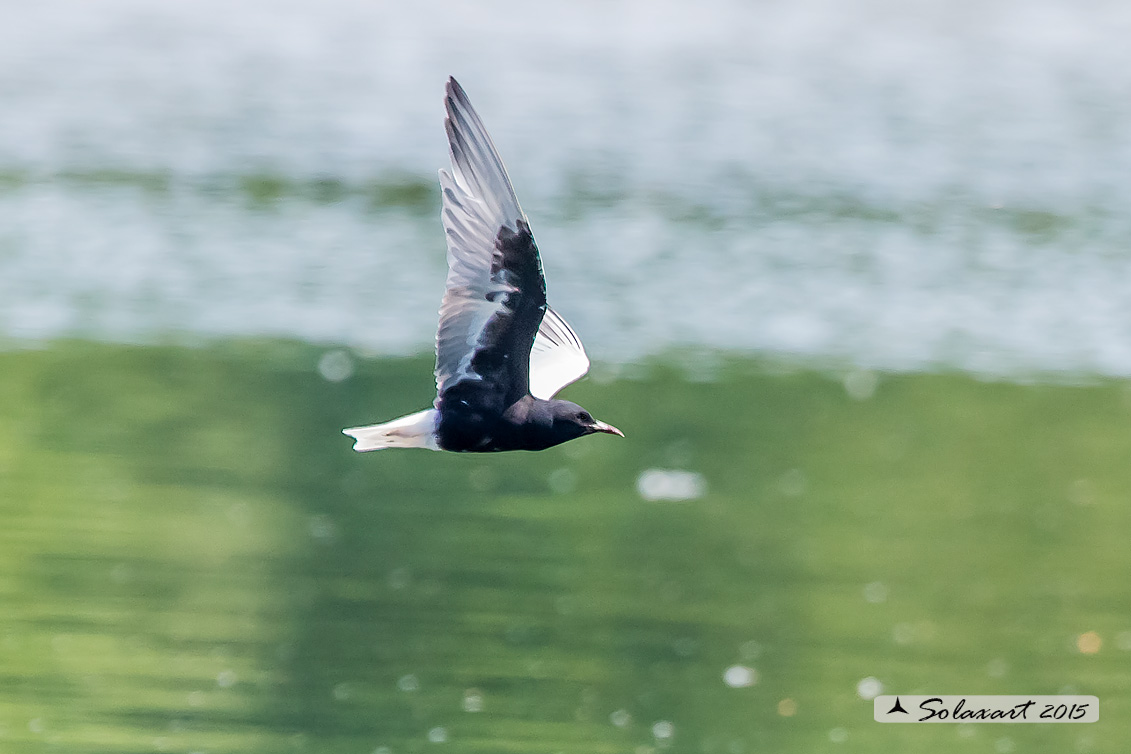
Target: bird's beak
608	429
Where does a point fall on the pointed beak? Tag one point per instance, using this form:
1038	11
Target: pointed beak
608	429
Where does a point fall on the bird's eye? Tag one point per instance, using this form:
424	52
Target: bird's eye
585	418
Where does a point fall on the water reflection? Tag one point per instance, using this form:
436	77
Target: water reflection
193	560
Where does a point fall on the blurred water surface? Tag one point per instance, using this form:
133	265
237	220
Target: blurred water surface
899	185
192	560
727	195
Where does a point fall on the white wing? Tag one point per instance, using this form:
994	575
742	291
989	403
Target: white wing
557	358
477	202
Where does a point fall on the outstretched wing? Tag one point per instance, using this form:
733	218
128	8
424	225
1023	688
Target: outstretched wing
557	358
496	293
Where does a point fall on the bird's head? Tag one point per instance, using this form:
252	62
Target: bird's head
572	420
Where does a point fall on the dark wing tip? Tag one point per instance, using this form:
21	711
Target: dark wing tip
455	104
455	95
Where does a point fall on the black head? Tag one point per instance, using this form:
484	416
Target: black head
571	420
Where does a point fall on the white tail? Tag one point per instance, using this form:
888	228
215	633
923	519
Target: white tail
413	431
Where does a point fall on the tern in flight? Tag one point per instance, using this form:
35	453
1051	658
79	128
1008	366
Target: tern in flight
501	351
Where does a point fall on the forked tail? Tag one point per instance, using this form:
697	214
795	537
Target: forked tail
413	431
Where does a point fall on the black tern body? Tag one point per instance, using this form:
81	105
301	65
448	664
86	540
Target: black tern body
501	351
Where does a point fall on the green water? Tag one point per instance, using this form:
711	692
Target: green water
193	560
